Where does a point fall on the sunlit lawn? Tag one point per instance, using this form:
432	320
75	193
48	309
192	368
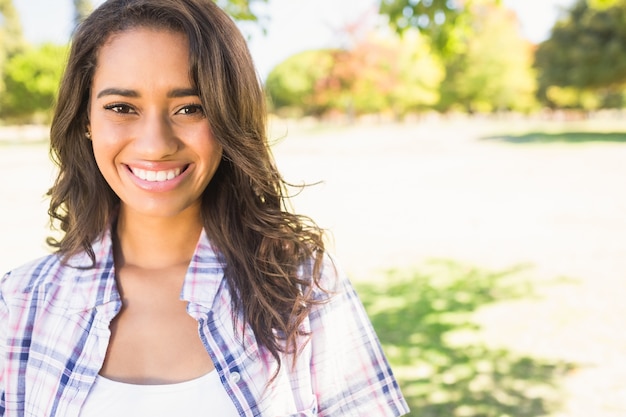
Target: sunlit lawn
564	137
424	318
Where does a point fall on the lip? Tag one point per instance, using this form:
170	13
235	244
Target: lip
157	186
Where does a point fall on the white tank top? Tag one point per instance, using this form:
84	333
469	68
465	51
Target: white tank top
204	396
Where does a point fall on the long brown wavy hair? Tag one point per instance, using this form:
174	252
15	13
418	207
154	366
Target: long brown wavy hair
244	205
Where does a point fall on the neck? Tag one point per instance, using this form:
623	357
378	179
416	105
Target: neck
156	242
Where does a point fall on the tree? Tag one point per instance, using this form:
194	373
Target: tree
11	37
293	84
495	71
82	8
420	74
602	4
32	79
585	52
246	10
383	73
446	22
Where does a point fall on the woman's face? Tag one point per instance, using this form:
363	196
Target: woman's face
151	138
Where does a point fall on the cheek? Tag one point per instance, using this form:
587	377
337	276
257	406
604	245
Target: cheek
216	151
105	157
212	156
209	147
214	145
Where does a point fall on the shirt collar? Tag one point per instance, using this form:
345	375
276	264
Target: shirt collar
92	285
205	275
203	278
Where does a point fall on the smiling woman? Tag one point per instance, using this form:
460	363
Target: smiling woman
151	138
180	285
154	147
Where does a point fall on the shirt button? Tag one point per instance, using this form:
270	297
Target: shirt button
235	377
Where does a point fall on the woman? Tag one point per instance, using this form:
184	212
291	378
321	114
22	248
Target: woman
180	285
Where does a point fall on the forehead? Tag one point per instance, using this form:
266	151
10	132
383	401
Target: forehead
143	53
152	38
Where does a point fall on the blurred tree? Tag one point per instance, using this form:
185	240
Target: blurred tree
447	23
11	37
495	72
585	52
82	8
32	78
292	85
370	74
573	98
602	4
242	9
384	73
420	74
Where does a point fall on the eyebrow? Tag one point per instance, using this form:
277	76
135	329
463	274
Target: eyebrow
117	92
183	92
175	93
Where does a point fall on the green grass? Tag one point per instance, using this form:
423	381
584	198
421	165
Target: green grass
424	321
570	137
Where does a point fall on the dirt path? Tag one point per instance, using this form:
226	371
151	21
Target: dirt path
398	195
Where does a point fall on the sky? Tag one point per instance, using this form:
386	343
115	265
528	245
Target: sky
292	25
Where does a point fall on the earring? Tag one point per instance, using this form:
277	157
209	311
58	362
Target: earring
88	135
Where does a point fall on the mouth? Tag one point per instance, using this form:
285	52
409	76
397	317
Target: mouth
157	176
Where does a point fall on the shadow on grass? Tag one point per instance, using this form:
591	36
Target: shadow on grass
561	137
424	321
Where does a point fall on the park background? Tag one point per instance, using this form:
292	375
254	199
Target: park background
469	156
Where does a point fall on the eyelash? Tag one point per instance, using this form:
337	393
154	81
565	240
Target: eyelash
121	108
126	108
195	107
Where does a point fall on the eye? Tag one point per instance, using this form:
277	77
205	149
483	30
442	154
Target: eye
120	108
191	109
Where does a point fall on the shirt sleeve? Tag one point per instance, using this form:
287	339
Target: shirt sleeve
4	322
351	376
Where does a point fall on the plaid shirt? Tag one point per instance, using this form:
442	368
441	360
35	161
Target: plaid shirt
54	333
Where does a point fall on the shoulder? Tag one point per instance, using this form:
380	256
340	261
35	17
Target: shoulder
332	290
349	368
322	274
53	280
34	274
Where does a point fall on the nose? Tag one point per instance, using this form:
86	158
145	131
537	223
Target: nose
156	138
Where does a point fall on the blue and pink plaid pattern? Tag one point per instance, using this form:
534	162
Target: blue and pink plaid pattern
54	333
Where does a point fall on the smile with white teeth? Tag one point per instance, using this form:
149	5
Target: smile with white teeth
156	176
